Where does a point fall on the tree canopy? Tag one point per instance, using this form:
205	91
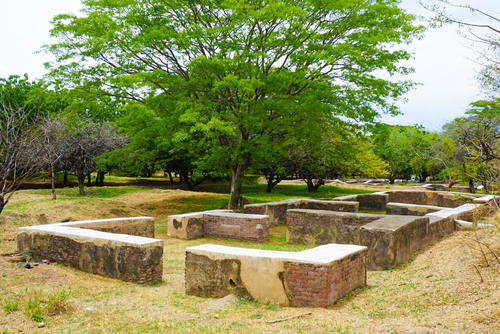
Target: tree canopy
238	72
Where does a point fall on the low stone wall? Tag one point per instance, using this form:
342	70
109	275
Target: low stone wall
390	239
317	227
393	239
442	222
277	211
236	226
80	245
138	226
378	201
317	277
410	209
413	197
219	224
375	201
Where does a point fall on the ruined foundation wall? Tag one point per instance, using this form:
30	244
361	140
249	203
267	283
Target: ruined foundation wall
413	197
237	226
322	285
316	227
138	226
97	252
393	239
317	277
277	211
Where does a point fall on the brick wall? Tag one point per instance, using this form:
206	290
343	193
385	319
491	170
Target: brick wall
317	285
236	227
293	218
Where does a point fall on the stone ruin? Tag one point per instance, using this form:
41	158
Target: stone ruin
316	277
122	248
348	243
402	223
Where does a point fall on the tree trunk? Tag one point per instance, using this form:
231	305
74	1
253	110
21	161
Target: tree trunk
101	178
53	183
171	178
81	183
471	187
89	178
2	204
65	179
270	185
311	187
236	183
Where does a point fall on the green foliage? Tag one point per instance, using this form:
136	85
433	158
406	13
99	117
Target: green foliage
35	96
406	150
477	148
33	305
12	303
224	80
57	301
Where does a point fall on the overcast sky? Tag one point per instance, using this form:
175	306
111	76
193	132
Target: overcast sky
444	62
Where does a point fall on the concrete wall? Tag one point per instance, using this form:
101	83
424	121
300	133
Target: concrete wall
317	277
127	257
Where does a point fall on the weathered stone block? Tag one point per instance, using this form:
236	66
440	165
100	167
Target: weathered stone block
327	205
410	209
452	200
443	222
189	225
316	277
126	257
413	197
138	226
318	227
392	239
186	226
236	226
375	201
277	211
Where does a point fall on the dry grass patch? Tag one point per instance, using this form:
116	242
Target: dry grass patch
449	287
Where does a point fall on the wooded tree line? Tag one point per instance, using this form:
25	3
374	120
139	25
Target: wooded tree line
208	89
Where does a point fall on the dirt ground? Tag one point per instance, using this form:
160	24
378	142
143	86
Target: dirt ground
452	286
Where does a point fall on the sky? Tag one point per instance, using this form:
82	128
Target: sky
445	63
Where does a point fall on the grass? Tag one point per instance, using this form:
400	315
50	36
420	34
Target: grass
439	291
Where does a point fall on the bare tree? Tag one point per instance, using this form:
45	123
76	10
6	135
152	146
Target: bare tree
482	29
86	141
19	150
54	145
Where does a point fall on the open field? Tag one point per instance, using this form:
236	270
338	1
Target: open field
452	286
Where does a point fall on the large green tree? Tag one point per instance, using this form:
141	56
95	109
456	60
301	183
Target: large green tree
236	72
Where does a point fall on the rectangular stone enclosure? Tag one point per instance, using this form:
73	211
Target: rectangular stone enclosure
316	277
413	219
122	248
277	210
219	224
